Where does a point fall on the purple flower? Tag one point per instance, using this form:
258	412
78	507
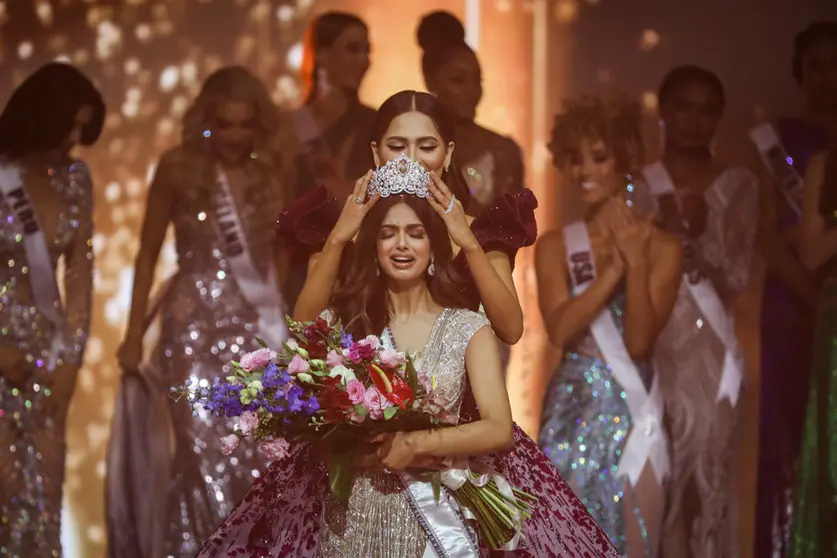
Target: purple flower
312	405
346	339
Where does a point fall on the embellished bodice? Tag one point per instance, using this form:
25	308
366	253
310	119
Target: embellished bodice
72	187
197	242
70	236
444	356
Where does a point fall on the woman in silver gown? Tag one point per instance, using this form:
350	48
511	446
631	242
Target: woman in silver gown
220	190
606	287
713	210
46	206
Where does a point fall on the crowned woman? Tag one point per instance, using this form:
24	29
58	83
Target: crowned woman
398	282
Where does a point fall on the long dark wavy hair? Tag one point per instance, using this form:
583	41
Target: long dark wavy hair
41	112
360	301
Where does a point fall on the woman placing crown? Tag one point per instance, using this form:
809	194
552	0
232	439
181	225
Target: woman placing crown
313	227
399	283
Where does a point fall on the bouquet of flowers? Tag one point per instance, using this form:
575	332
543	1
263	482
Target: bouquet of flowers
322	385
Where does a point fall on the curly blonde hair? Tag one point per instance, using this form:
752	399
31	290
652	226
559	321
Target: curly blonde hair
232	83
615	119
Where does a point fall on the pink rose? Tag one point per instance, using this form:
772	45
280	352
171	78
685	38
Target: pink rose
256	359
375	402
425	380
229	444
247	422
356	391
334	359
276	449
392	358
298	365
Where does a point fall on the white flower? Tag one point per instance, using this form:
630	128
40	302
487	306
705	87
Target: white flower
346	374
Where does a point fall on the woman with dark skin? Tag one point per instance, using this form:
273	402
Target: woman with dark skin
790	292
491	164
711	208
53	110
814	522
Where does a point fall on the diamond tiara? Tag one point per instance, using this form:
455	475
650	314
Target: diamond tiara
402	175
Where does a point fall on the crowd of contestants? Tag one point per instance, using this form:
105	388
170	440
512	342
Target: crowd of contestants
637	288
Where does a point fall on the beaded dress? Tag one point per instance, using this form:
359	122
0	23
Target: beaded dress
584	429
689	357
204	323
289	512
32	465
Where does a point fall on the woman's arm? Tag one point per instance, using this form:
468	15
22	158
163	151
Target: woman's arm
323	266
492	273
159	206
817	244
492	433
651	290
567	316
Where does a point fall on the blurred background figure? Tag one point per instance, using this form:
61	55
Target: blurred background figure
605	293
790	292
221	189
46	222
491	164
712	208
328	136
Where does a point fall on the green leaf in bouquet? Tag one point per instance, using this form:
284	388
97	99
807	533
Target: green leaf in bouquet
253	378
340	475
436	483
261	343
411	375
361	411
389	412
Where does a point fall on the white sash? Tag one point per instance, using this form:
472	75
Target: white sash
709	304
779	164
41	272
647	440
262	293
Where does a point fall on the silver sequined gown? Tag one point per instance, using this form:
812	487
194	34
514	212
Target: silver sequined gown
379	522
205	322
689	358
584	427
32	466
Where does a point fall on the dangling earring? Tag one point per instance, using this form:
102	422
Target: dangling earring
323	86
431	269
447	168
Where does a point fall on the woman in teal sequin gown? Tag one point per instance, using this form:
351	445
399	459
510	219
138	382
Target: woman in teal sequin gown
588	422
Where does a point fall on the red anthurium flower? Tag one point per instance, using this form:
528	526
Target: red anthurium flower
391	386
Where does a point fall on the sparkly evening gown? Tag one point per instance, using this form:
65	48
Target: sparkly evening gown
814	522
787	333
204	323
689	358
32	468
584	427
289	511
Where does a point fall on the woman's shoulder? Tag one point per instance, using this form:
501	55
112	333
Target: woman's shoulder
464	323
